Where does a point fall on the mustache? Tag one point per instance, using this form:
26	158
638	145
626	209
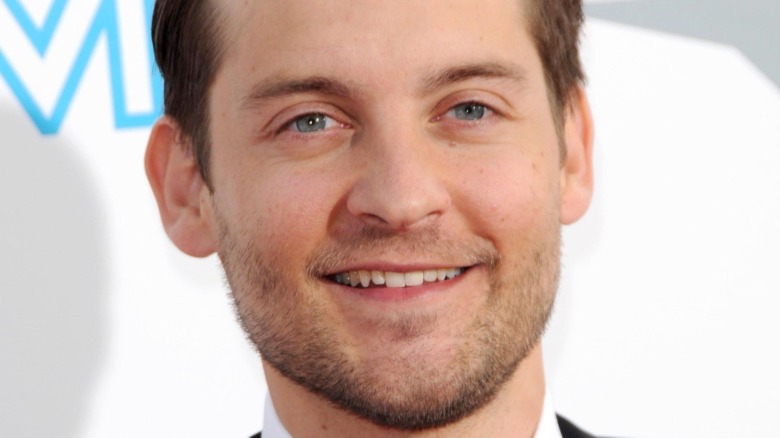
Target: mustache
371	243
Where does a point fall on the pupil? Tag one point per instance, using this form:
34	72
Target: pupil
311	123
470	111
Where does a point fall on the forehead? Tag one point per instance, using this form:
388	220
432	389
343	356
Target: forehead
362	39
370	16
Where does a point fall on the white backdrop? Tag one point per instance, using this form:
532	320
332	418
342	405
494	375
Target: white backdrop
665	324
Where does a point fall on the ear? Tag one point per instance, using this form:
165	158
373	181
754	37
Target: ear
577	168
182	196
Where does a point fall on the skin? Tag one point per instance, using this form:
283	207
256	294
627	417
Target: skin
397	180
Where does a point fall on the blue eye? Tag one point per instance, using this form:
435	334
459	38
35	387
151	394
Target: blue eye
469	111
312	123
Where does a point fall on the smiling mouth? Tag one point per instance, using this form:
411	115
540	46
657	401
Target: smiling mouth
365	279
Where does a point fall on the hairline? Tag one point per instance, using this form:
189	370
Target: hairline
216	30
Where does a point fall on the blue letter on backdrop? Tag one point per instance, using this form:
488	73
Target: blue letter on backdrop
105	21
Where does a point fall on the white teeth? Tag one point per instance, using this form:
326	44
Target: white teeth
395	279
378	277
414	278
354	278
365	278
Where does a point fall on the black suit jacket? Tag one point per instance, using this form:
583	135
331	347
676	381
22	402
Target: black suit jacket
568	430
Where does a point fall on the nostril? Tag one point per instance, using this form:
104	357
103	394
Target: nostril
397	211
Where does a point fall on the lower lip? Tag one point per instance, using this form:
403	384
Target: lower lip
396	294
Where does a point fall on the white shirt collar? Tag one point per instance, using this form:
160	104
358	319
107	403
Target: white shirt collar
547	428
272	426
548	424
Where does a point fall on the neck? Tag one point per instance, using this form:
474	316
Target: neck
513	413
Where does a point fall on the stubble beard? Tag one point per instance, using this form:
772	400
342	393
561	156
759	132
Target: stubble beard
290	327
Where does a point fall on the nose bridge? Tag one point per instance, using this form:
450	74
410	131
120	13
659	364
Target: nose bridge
402	182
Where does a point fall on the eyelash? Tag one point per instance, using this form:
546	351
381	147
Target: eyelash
487	110
290	125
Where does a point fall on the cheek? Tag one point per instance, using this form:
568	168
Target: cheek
509	197
282	209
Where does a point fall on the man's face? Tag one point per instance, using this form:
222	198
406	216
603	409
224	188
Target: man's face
399	143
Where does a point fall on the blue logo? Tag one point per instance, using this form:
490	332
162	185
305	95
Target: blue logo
104	23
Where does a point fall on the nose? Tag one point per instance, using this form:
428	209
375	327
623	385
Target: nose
402	183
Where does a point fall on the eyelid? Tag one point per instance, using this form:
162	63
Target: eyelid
284	120
495	105
448	111
290	125
488	108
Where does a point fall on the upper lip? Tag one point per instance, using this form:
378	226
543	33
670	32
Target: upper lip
395	267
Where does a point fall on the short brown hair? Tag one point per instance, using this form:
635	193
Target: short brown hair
555	27
188	50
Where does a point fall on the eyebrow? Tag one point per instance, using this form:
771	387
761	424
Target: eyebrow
329	86
285	87
492	70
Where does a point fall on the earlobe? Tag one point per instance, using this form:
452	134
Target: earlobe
577	169
179	190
